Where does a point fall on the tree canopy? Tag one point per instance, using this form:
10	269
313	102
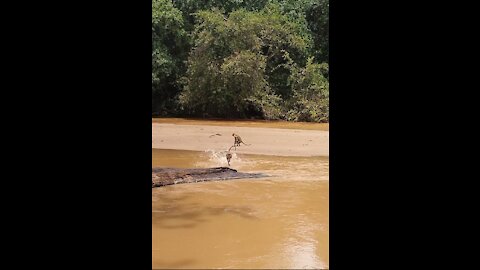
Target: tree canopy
241	58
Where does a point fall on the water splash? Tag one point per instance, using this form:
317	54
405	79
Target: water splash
217	158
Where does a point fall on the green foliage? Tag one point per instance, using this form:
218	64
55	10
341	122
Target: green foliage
241	58
311	93
169	41
221	87
236	60
167	29
317	16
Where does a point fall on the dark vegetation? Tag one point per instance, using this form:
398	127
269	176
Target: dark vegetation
265	59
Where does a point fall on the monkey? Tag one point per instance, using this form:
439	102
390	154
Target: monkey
229	156
237	141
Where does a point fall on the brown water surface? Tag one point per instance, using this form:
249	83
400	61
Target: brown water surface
279	222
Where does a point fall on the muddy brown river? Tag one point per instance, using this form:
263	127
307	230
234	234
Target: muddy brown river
278	222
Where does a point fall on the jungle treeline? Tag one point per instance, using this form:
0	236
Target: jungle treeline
262	59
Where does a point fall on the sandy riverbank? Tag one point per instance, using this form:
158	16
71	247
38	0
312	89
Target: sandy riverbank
244	123
263	140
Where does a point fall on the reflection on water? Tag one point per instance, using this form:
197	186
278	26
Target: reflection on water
280	222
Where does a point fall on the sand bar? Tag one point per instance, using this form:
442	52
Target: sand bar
264	141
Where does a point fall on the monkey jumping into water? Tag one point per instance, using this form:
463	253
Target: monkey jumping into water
229	156
237	141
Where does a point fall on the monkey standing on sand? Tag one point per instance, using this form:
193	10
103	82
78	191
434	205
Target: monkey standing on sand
237	141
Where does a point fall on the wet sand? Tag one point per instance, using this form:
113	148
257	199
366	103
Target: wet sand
262	140
244	123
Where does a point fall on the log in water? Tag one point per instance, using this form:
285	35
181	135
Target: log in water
171	176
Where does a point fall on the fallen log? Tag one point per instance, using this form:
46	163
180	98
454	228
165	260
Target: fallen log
171	176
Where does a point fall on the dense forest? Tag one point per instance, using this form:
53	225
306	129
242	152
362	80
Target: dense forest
265	59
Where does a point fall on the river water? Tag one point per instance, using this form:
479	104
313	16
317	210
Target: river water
278	222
